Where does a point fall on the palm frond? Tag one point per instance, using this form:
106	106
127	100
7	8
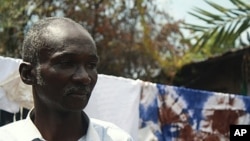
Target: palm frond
223	29
217	7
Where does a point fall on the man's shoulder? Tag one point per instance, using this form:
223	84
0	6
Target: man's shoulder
103	123
104	128
12	130
17	125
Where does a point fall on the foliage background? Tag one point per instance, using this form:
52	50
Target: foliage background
134	38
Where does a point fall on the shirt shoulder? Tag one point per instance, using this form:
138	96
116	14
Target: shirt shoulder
19	131
109	131
12	130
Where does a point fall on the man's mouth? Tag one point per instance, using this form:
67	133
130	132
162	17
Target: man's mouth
77	91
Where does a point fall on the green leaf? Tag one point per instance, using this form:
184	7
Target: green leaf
218	7
222	30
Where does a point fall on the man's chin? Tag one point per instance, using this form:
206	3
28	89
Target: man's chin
75	107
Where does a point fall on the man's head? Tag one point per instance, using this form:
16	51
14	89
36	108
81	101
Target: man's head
60	61
39	37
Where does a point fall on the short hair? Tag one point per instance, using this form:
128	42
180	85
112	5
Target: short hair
34	39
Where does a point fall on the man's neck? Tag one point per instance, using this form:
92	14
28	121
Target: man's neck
61	126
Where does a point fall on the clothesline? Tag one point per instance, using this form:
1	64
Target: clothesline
146	110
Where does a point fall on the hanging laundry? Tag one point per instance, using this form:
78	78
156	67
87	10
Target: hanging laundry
175	113
148	111
149	130
9	67
13	92
116	99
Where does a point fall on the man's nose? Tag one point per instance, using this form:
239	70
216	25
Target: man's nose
81	75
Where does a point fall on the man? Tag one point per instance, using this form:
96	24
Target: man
59	61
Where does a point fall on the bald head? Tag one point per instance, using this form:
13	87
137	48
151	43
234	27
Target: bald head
50	34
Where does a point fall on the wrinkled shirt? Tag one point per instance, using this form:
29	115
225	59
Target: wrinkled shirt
25	130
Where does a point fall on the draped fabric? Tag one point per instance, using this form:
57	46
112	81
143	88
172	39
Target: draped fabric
9	73
116	100
164	113
179	114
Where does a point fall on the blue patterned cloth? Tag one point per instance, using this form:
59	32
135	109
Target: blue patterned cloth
175	113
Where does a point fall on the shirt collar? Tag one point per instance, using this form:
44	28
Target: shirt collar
33	132
92	134
31	129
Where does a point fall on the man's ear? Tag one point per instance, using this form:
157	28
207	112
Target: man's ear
26	71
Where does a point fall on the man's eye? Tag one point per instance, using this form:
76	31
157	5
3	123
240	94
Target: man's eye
92	65
66	63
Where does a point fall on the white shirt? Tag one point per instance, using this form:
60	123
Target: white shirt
25	130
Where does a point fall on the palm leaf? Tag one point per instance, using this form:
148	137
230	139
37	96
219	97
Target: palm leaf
217	7
201	17
222	30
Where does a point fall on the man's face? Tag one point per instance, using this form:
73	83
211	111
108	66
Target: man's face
68	75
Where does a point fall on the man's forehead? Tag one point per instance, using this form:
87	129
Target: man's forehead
67	50
56	30
67	28
59	33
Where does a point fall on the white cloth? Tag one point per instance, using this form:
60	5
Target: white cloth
9	68
14	92
25	130
6	104
116	100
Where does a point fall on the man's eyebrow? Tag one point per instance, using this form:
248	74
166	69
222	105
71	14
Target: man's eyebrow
71	54
63	54
95	58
